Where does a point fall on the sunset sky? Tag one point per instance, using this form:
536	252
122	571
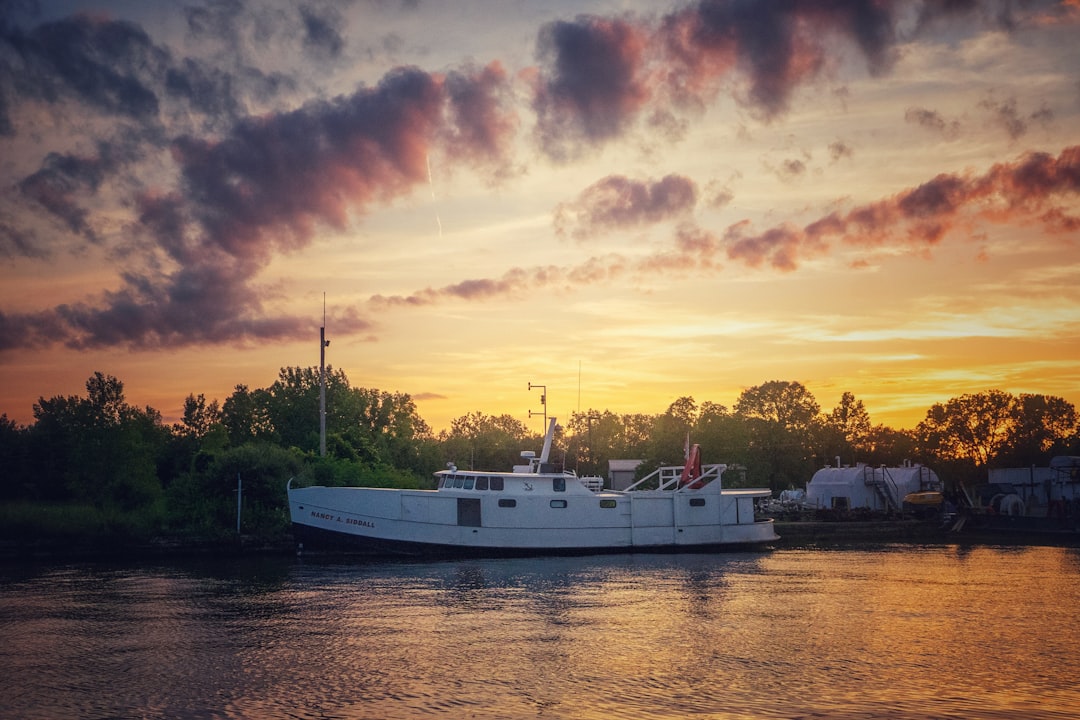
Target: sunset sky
625	201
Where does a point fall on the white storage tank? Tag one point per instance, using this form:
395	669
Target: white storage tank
862	486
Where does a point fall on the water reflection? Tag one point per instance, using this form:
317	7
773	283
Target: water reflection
894	632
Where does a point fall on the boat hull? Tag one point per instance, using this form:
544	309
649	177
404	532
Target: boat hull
402	522
317	541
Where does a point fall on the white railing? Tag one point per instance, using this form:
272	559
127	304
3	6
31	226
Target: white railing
668	477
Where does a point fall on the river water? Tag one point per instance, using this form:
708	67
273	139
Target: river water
887	632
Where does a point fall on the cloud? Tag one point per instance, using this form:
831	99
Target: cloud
839	150
1007	115
109	65
1020	192
617	202
599	77
322	31
592	85
261	189
932	120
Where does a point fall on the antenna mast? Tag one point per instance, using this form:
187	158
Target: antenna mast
323	342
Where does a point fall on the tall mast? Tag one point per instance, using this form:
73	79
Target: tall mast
323	342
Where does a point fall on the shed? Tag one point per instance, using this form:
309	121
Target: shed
621	473
862	486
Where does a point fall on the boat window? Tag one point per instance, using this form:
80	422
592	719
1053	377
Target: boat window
459	481
507	502
608	503
482	483
558	503
697	502
558	484
496	483
469	481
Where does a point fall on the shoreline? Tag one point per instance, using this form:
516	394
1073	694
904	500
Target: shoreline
792	534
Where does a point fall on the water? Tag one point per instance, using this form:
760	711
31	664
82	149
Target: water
898	631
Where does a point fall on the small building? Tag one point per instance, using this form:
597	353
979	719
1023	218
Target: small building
863	486
621	473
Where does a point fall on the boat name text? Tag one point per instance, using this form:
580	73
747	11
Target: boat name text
338	518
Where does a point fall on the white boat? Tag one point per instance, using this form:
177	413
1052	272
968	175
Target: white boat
535	509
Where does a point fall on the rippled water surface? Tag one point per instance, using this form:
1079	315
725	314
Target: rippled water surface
934	632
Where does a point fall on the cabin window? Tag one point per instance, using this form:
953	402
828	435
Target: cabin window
442	481
469	481
481	483
608	503
839	503
459	481
558	484
497	483
697	502
507	502
558	503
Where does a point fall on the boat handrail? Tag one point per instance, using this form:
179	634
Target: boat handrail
667	477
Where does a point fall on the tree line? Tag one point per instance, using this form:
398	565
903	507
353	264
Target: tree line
97	465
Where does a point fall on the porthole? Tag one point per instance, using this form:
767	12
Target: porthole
697	502
608	503
507	502
558	503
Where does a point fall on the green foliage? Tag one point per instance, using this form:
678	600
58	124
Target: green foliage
97	450
204	502
485	442
337	472
71	524
97	466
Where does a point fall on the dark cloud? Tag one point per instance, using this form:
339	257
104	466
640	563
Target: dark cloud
322	31
1007	115
17	242
109	65
592	85
600	77
480	125
932	120
261	189
776	45
63	178
617	202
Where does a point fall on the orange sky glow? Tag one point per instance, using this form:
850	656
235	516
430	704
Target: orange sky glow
625	203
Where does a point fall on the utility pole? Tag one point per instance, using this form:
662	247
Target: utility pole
323	343
543	401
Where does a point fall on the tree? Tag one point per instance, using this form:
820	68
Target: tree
846	429
15	478
199	418
98	450
788	405
245	415
670	434
1042	426
782	421
972	428
487	442
721	434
